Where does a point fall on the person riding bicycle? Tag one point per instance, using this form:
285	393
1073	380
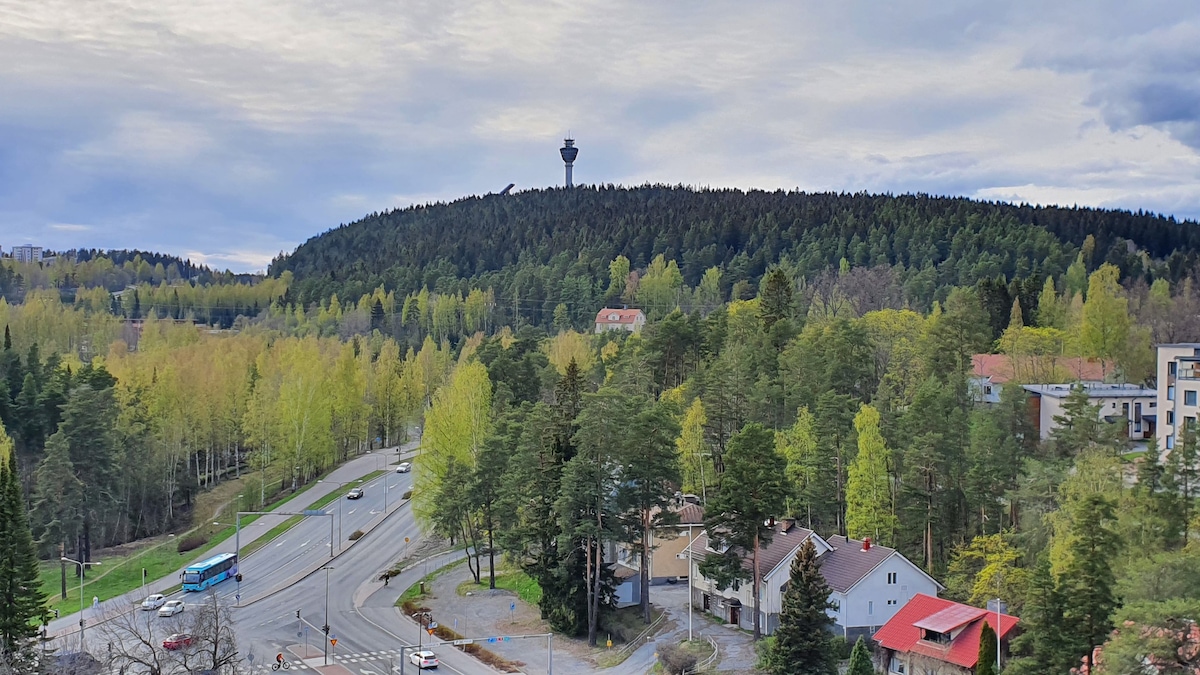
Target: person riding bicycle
279	658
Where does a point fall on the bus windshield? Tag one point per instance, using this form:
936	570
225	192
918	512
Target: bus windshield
191	578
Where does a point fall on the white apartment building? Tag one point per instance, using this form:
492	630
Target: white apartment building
27	253
1178	389
1128	403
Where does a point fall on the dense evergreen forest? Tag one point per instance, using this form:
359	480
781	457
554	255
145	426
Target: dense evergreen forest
539	248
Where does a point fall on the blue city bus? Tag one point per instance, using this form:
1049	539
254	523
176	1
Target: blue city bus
209	572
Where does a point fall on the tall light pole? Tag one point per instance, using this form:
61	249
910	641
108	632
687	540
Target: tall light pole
339	506
687	553
327	568
81	621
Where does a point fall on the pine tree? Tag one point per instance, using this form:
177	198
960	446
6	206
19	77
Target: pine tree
22	603
860	660
802	643
987	651
1088	576
754	490
1041	647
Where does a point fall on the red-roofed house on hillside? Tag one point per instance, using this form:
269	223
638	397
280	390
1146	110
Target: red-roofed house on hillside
631	320
933	635
992	371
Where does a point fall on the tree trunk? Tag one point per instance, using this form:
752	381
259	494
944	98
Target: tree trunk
62	564
645	571
757	581
491	558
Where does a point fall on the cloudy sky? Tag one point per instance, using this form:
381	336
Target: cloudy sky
229	130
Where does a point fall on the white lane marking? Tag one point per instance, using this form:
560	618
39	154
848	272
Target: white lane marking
280	543
351	512
305	543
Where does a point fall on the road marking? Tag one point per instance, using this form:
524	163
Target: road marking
351	512
279	544
305	544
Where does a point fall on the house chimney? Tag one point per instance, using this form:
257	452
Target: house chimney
866	544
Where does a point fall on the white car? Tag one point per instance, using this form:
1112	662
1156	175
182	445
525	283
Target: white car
172	608
423	659
403	467
153	602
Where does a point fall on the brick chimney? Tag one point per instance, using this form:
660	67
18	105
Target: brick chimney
866	544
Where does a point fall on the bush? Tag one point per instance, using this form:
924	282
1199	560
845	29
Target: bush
407	494
675	659
841	647
195	541
356	535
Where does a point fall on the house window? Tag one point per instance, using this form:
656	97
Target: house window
988	390
896	666
871	608
1171	392
891	577
1189	397
891	602
934	636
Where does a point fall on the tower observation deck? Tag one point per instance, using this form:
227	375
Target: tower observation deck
569	152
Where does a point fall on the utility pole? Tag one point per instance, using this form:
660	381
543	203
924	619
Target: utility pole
327	568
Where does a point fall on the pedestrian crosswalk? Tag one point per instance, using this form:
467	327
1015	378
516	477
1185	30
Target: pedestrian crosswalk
385	659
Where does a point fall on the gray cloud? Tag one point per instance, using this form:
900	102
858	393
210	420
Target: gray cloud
230	131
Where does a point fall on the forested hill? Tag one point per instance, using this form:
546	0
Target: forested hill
526	244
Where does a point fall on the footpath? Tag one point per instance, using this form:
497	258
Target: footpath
348	472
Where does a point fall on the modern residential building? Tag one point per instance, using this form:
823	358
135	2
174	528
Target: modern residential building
620	319
27	253
934	636
1131	404
869	583
992	371
1178	374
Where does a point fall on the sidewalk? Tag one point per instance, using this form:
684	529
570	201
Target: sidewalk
350	471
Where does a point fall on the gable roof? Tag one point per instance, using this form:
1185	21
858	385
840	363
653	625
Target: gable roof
783	545
847	564
902	633
691	514
621	316
1000	368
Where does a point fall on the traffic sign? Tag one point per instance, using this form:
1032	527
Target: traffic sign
433	624
237	596
464	641
333	641
313	512
512	606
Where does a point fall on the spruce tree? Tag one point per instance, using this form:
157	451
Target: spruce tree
1041	645
860	660
802	643
987	651
22	604
1088	576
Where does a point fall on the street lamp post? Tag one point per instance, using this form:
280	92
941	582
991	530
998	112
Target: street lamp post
339	506
81	620
687	552
327	568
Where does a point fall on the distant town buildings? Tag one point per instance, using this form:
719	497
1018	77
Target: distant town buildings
1128	404
990	372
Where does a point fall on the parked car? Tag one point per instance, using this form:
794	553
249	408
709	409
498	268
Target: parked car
423	659
178	641
404	467
153	602
171	608
356	493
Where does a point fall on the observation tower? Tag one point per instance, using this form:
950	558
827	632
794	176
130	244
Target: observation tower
569	152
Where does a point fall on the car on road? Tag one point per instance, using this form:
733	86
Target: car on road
153	602
356	493
171	608
404	467
423	659
178	641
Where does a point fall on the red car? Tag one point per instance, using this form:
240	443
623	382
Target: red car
178	641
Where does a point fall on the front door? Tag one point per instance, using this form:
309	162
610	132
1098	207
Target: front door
735	615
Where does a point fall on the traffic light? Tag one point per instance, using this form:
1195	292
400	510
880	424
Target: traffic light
297	614
238	577
325	629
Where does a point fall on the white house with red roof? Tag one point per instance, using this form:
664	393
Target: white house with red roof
630	320
868	583
933	636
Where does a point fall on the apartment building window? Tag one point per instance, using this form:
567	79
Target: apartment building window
1171	442
1189	397
1189	422
1170	417
891	577
1171	368
1170	392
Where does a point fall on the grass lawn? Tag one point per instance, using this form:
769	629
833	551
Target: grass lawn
517	581
118	575
413	593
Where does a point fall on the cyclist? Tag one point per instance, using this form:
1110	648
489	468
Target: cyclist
279	659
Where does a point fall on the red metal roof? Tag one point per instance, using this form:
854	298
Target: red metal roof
617	315
903	632
1001	367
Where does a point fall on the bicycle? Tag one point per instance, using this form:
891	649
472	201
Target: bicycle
284	665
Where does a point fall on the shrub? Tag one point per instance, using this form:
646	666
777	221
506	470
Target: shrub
675	659
356	535
190	543
407	494
841	647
